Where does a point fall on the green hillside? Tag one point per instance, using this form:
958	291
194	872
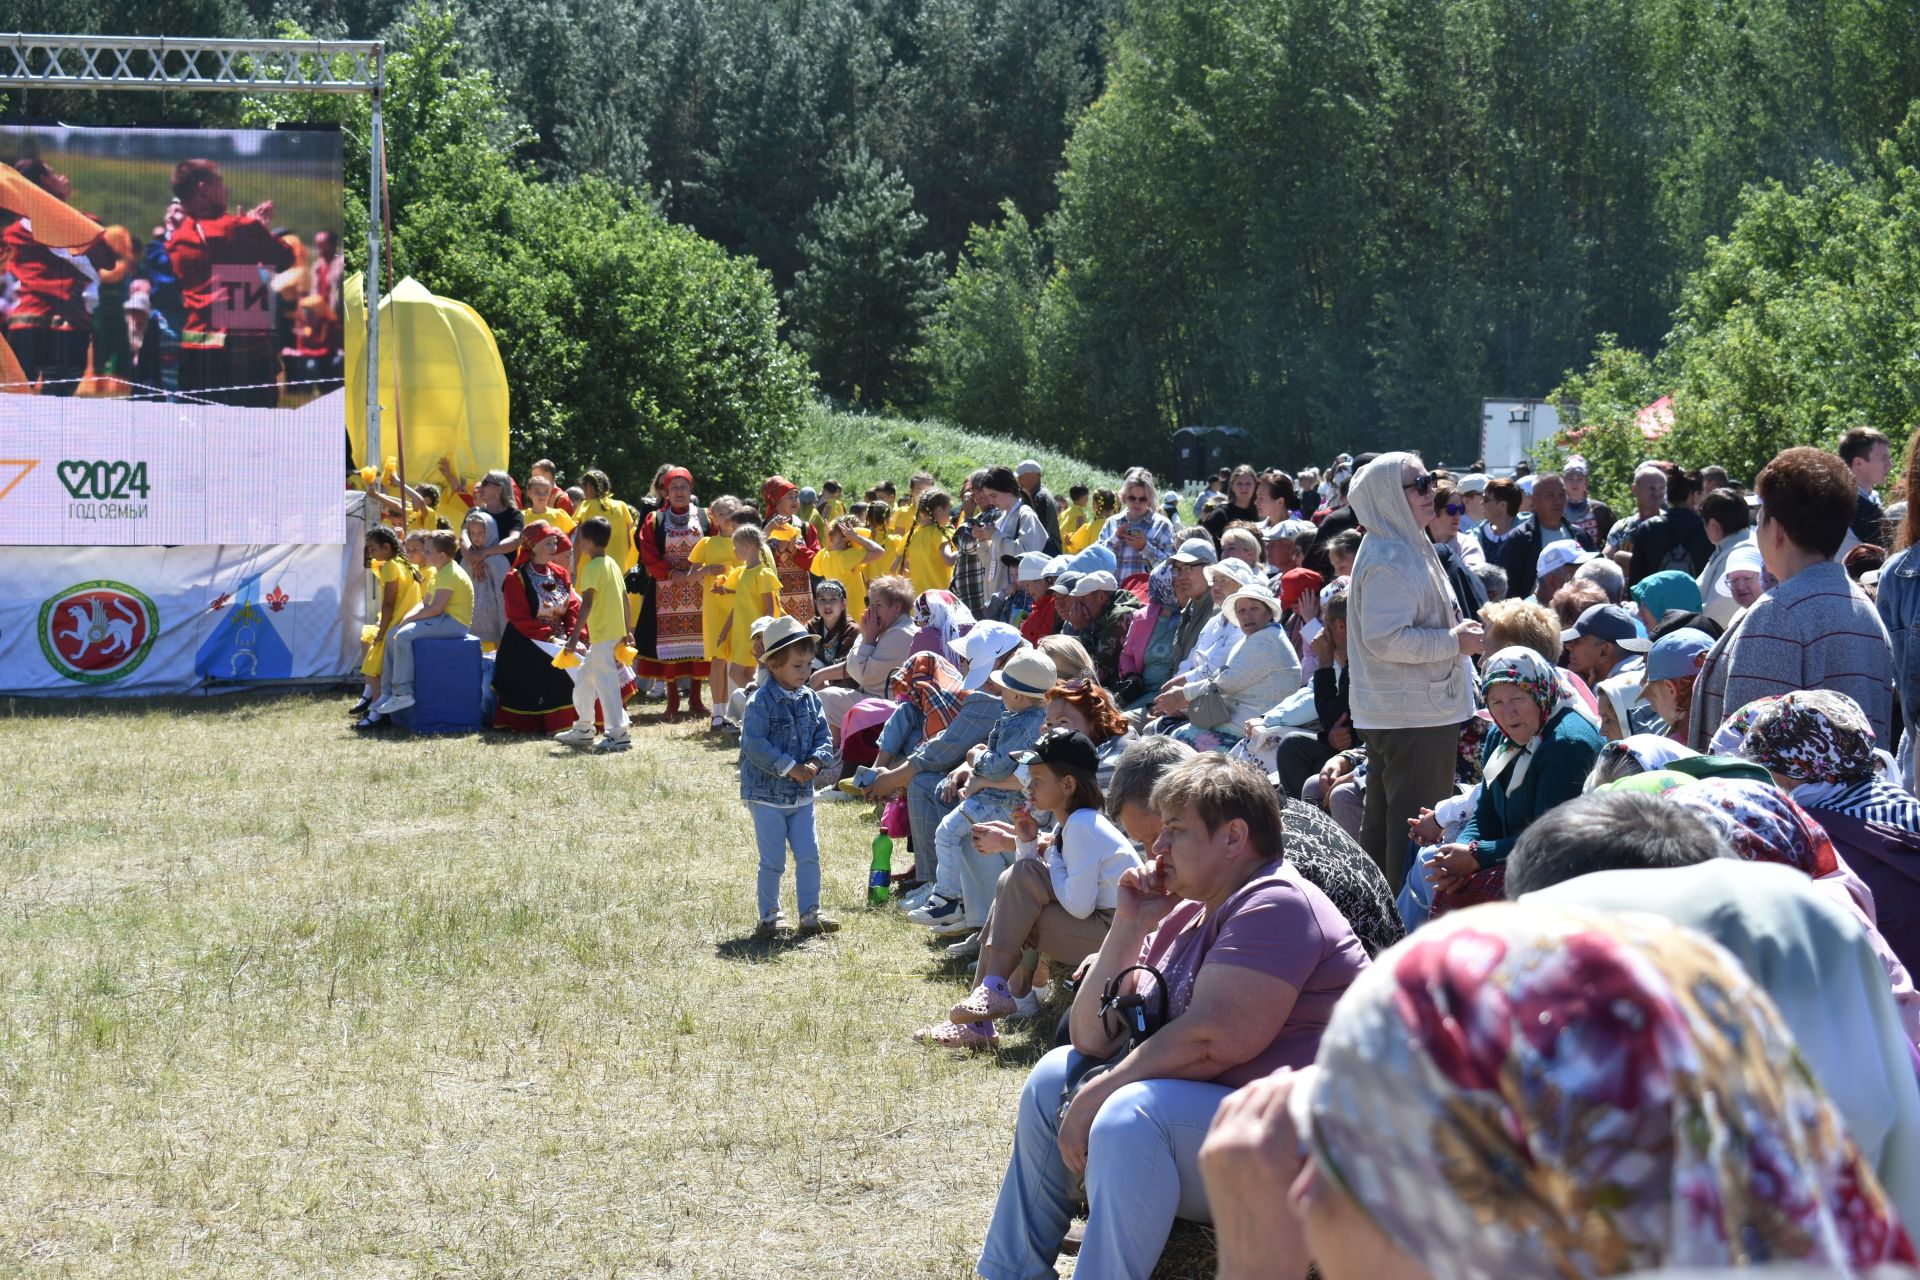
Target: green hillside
861	451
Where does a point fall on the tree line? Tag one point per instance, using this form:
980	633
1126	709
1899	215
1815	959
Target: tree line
1337	223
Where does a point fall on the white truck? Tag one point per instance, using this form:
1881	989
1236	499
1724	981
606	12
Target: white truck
1510	428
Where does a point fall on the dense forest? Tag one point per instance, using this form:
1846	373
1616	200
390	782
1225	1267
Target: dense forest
1338	223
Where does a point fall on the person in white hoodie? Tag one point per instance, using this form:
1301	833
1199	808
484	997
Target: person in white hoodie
1406	641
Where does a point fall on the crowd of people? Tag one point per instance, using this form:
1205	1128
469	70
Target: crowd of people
1419	873
216	305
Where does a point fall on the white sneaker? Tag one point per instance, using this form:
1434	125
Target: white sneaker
966	949
394	702
933	909
1027	1005
914	899
610	744
581	735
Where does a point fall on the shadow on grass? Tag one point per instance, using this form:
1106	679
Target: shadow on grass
753	950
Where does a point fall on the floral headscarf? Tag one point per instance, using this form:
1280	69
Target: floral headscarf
1733	730
1812	735
1762	823
1523	1092
1519	665
943	611
1160	587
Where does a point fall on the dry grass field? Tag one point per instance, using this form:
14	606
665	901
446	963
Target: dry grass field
282	1001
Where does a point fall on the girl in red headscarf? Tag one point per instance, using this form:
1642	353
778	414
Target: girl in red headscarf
668	632
533	696
794	545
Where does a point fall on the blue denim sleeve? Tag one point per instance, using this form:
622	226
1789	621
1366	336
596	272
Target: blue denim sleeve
757	747
1017	732
970	726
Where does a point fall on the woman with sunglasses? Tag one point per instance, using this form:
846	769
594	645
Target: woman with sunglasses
1459	552
1406	648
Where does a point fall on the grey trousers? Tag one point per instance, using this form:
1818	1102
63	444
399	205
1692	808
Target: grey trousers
1407	769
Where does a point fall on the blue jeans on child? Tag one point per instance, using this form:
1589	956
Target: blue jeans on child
963	873
1143	1171
775	830
400	642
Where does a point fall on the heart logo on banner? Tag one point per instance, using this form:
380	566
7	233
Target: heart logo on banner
73	475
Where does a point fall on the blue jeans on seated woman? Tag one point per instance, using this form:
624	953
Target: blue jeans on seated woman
1143	1171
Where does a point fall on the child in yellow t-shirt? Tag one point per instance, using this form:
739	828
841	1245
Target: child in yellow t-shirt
1105	503
540	505
718	568
879	528
849	551
928	551
399	593
756	594
606	622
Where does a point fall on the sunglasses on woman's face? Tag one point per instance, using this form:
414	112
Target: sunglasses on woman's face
1421	484
1456	508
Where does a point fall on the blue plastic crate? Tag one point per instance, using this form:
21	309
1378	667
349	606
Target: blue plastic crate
446	687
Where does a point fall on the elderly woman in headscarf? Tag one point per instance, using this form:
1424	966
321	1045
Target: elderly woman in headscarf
793	543
1761	823
1538	755
489	573
539	604
1636	754
1536	1092
1818	745
939	618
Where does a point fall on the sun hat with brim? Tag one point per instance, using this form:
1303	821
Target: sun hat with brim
1241	573
1031	673
1473	483
984	646
781	633
1063	748
1746	558
1195	551
758	627
1261	594
1099	580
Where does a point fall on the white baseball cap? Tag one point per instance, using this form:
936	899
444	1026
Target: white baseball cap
1027	468
1032	566
1473	482
1745	559
1559	555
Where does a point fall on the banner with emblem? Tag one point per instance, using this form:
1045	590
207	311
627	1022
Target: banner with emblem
94	621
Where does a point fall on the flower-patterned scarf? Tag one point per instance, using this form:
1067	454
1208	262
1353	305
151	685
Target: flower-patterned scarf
1733	730
1520	666
1528	1093
1812	735
1762	823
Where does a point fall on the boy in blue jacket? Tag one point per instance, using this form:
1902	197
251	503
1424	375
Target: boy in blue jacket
784	743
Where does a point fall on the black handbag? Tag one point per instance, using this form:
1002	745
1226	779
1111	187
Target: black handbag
1137	1021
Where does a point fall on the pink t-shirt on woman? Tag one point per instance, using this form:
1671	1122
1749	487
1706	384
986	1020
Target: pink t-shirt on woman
1279	924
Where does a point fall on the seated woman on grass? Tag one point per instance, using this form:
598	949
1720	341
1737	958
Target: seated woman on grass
1058	904
1253	958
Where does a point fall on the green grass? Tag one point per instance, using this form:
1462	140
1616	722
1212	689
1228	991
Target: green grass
861	451
279	1000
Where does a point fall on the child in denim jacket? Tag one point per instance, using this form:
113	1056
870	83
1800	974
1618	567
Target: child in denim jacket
965	879
784	743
